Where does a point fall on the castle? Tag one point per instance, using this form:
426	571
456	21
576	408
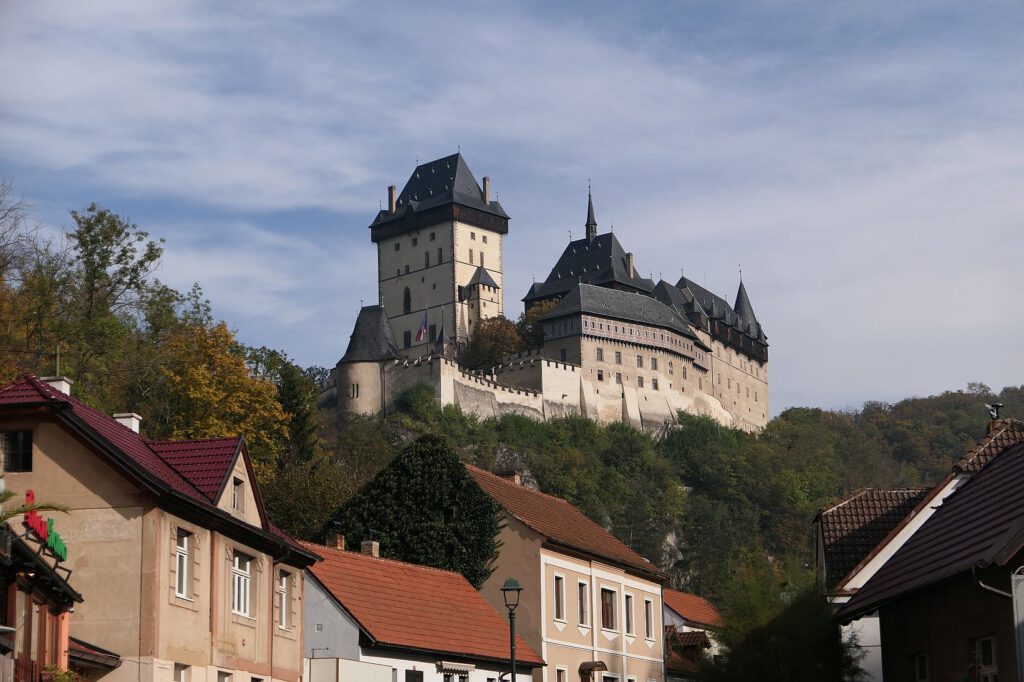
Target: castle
617	346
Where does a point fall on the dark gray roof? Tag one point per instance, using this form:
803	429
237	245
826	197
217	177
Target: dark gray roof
481	276
717	309
620	305
600	261
441	182
682	300
371	338
743	307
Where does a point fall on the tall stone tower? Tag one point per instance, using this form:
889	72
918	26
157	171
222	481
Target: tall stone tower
439	255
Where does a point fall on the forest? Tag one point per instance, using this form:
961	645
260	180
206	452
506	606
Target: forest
729	515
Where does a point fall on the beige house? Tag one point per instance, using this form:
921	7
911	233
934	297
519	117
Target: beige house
185	577
590	605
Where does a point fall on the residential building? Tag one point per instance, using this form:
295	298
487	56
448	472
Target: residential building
370	619
185	577
590	604
617	346
945	595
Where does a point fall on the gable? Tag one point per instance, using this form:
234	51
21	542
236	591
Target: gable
238	491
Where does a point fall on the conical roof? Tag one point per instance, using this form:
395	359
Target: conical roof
371	338
743	307
591	221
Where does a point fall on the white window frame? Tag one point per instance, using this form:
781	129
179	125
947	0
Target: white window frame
181	672
284	599
241	584
986	673
237	494
559	579
583	607
649	619
628	621
182	559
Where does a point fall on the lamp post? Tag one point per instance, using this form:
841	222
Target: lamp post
510	592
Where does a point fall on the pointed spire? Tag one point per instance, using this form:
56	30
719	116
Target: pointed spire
743	307
591	222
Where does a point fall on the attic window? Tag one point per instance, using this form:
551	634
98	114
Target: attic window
238	494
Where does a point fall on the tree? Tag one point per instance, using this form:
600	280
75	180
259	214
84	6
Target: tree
425	508
493	339
8	513
529	324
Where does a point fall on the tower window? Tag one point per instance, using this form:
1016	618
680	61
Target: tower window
471	256
440	258
432	236
618	357
600	375
481	259
472	235
397	246
654	364
406	301
600	354
426	259
415	241
354	391
484	238
406	339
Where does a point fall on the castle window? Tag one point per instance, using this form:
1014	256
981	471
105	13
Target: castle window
700	384
654	364
433	332
354	391
639	361
618	357
671	368
407	301
406	339
481	259
471	256
618	377
755	396
654	384
484	237
426	259
432	236
472	235
684	372
562	354
415	241
397	246
600	375
600	355
440	258
639	382
407	269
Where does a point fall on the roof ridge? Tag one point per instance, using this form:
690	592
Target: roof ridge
518	486
345	553
151	441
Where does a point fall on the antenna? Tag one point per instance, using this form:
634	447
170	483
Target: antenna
740	266
993	410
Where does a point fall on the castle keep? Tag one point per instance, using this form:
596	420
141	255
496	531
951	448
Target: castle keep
617	346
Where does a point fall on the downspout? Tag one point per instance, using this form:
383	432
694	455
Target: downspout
989	588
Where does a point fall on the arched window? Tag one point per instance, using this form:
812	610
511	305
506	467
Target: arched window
407	301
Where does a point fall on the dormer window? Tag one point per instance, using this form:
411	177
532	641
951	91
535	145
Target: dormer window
238	494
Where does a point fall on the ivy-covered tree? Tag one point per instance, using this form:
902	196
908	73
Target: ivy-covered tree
424	508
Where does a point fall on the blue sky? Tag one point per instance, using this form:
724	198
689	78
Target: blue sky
864	162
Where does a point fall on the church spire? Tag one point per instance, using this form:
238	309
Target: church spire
591	222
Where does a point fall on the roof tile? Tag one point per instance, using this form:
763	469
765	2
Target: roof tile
693	608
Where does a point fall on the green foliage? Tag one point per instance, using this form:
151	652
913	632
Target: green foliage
425	508
530	329
492	340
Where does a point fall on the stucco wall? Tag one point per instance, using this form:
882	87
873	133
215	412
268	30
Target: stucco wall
338	635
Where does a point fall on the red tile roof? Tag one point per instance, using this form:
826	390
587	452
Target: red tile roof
980	524
415	607
205	463
852	527
559	521
697	638
1002	434
693	608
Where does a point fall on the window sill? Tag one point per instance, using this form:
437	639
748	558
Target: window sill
247	621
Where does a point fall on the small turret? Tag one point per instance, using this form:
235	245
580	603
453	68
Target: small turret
591	222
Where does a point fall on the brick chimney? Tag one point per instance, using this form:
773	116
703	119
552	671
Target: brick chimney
62	384
629	265
392	196
370	548
487	190
335	540
129	419
513	477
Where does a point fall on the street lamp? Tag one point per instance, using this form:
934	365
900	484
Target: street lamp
510	592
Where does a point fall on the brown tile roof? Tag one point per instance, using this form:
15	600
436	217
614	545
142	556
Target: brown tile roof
981	523
697	638
205	463
415	607
854	526
560	522
1002	434
693	608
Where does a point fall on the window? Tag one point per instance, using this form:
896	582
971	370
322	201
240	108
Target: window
684	371
481	259
397	246
648	619
354	391
639	361
618	357
600	375
240	566
471	256
440	259
559	598
223	676
639	382
17	447
183	543
921	668
319	627
415	241
284	599
406	300
561	675
238	494
600	355
180	673
406	339
629	614
413	676
562	354
472	235
426	259
433	333
984	660
654	364
407	268
654	384
432	236
484	238
607	608
618	377
583	595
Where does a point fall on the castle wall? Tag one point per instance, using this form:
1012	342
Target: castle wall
741	385
475	246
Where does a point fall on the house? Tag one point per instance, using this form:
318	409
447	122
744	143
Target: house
945	596
692	624
184	576
371	619
590	604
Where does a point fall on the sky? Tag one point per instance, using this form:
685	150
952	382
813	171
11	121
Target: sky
863	163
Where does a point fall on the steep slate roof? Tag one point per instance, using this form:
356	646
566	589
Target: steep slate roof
621	305
693	608
406	606
717	308
205	463
743	307
371	339
600	261
142	457
980	524
1002	434
560	522
854	526
481	276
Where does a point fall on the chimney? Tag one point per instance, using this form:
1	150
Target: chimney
62	384
392	190
513	477
487	190
129	419
335	540
370	548
629	265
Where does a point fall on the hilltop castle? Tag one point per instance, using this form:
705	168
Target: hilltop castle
617	346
